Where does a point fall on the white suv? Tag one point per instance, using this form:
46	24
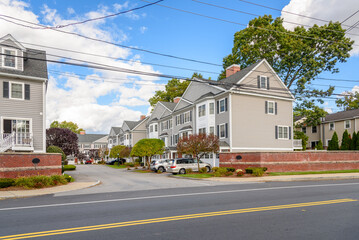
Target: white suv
160	164
180	165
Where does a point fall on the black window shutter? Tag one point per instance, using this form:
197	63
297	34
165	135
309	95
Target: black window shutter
268	83
290	132
27	91
276	108
226	130
266	107
6	89
190	116
276	132
226	104
217	130
176	120
217	107
259	81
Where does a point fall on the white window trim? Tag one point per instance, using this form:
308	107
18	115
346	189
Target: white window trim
23	91
224	125
200	111
345	125
3	58
266	82
209	108
15	118
224	102
316	129
282	126
214	130
328	142
333	126
189	117
273	107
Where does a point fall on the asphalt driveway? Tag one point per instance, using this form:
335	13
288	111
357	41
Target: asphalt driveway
115	180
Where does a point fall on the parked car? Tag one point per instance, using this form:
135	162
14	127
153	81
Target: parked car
88	161
160	164
113	161
180	165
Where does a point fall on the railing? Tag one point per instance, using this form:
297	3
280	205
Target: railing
23	140
6	141
297	144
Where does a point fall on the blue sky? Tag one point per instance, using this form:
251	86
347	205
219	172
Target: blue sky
95	105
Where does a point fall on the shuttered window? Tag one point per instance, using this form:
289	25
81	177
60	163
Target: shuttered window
27	92
5	87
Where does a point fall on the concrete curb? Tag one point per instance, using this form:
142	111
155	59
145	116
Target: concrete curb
45	191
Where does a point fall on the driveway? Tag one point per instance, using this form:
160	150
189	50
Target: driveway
115	180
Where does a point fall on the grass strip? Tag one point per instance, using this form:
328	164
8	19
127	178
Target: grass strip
200	175
117	166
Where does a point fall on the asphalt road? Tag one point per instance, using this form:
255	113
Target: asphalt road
294	210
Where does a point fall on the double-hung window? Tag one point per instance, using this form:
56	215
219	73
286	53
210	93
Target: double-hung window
202	110
263	82
211	108
347	124
283	132
331	126
187	117
16	90
9	58
314	129
222	131
202	131
222	106
270	107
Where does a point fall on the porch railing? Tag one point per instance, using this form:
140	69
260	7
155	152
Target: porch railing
10	140
297	144
6	141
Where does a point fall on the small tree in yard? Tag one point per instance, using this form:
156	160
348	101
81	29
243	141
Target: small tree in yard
334	142
320	145
116	151
63	138
198	145
354	141
346	141
148	148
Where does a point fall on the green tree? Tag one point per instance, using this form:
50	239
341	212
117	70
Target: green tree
303	136
174	88
297	60
349	101
56	149
69	125
334	142
357	142
197	145
148	147
354	141
312	113
320	145
346	141
116	151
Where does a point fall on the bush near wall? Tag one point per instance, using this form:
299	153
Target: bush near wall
40	181
56	149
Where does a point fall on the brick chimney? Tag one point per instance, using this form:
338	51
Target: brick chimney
232	69
176	99
142	117
82	132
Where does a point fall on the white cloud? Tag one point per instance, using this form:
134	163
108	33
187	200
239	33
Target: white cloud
68	97
70	10
334	10
143	29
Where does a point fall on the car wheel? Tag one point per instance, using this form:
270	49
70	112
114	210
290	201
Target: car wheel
162	169
208	168
182	171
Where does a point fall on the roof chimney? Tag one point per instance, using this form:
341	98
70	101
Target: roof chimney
176	99
232	69
142	117
82	132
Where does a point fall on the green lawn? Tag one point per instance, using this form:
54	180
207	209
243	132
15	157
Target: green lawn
200	175
117	166
143	171
314	172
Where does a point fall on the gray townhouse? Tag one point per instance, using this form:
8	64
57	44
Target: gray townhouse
87	142
250	110
23	83
335	122
114	137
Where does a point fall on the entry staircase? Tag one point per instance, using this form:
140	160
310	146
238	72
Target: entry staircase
6	142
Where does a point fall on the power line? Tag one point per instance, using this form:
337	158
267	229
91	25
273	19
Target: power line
252	14
349	17
246	25
280	10
103	41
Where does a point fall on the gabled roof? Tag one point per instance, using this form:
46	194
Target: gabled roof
89	138
169	105
210	94
235	78
131	124
117	130
10	37
185	128
342	115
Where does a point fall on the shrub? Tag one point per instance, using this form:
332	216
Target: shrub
159	171
346	141
56	149
6	182
258	172
231	169
320	145
334	142
220	172
34	182
228	173
239	172
136	167
214	169
189	170
68	178
203	170
250	170
102	162
69	167
58	179
130	164
128	168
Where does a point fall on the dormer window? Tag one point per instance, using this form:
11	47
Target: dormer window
9	58
263	82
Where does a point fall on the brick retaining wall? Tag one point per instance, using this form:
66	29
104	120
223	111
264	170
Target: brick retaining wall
14	165
293	161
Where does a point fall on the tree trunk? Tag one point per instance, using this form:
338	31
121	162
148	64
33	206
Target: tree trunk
198	163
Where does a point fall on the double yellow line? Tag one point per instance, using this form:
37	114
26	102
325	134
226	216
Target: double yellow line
174	218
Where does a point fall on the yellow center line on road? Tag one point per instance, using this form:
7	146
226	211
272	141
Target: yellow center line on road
173	218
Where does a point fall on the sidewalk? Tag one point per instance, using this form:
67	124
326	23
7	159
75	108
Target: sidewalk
289	178
44	191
